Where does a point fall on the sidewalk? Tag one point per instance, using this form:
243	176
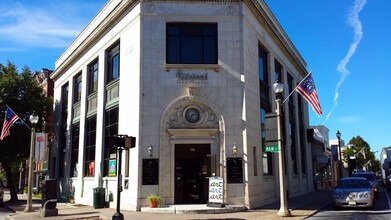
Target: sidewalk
301	207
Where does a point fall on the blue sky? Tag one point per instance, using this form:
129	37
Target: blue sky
349	52
347	45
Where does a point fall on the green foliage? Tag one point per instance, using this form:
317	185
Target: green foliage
21	92
370	160
155	198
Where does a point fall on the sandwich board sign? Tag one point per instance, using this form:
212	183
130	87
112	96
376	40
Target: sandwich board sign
216	192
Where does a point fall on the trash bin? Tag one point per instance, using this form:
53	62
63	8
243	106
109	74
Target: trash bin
49	191
99	197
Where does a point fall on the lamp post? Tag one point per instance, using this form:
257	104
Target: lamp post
278	88
340	153
33	119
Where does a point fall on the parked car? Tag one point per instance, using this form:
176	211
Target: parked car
353	192
388	182
371	178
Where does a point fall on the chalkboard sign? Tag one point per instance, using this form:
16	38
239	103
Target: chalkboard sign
234	170
150	172
216	192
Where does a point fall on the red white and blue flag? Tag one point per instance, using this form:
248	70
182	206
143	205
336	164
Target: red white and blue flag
307	89
10	119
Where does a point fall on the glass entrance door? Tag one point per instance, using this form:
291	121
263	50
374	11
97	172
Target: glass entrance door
192	167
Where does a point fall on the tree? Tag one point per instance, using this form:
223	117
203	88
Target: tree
369	161
21	92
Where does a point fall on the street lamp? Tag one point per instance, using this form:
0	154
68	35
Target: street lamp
278	88
34	120
340	153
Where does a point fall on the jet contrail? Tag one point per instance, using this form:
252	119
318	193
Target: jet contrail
353	21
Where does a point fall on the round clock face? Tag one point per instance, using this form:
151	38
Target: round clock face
192	115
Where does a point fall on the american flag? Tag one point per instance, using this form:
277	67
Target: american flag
10	118
307	89
362	151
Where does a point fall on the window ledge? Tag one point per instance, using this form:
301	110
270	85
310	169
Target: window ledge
215	67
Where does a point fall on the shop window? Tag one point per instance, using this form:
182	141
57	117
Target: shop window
111	129
89	156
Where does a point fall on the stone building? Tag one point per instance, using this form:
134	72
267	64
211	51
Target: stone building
191	80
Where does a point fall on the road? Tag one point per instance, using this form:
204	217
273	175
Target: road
4	212
381	211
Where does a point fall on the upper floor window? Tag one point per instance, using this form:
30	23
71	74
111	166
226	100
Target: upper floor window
191	43
263	74
113	63
277	71
93	77
64	97
77	88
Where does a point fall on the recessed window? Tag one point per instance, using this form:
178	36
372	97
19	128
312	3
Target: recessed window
189	43
77	88
93	77
113	63
89	156
75	149
111	129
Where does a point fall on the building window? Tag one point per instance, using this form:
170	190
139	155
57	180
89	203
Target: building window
111	129
93	77
277	71
75	149
77	88
292	125
63	129
264	88
255	156
193	43
267	156
303	153
89	161
263	74
113	63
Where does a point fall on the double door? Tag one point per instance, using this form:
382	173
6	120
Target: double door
192	169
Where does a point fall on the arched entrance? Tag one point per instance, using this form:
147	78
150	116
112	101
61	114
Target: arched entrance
193	146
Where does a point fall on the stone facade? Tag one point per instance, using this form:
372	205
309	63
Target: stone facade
203	108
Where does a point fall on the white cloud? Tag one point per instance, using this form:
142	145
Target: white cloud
350	119
354	21
41	25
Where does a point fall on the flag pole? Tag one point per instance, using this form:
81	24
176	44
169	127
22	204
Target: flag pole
19	118
296	87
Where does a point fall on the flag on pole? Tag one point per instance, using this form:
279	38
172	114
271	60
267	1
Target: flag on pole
362	151
307	89
10	118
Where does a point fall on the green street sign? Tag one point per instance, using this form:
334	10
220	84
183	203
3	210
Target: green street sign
271	149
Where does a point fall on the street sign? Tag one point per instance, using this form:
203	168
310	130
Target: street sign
271	149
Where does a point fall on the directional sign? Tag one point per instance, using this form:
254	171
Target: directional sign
271	149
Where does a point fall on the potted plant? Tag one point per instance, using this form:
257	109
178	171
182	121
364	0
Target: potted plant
154	201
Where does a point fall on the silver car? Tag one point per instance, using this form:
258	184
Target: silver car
353	192
371	178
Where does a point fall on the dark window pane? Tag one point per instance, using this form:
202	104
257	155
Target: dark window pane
191	43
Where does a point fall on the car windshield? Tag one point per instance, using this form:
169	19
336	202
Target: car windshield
353	184
367	176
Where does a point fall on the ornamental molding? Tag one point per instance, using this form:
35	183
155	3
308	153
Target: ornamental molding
207	118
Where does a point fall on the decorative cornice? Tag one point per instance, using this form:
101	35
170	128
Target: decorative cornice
91	34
